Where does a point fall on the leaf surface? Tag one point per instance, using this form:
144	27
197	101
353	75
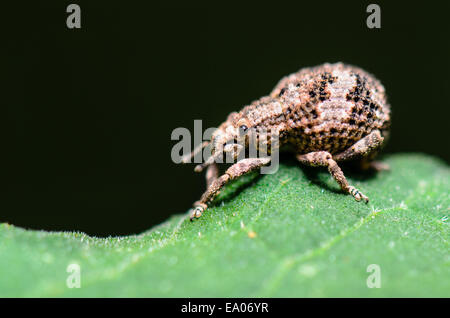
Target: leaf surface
289	234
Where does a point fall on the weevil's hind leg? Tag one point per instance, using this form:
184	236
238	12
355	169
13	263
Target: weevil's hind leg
366	147
238	169
365	150
212	173
324	159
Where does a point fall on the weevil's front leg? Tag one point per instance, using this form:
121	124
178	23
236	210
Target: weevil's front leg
238	169
212	173
324	158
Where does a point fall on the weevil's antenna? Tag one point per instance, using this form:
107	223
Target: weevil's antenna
187	158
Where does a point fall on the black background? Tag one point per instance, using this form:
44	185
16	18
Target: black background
87	114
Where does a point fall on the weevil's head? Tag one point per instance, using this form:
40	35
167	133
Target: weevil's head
244	130
229	140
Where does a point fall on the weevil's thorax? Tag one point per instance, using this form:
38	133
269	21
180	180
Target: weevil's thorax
330	107
258	124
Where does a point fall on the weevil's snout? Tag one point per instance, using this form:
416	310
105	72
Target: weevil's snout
226	145
224	140
230	142
232	151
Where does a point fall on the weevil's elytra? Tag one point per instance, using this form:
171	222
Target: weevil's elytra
324	114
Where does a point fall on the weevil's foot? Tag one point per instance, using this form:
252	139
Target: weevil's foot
379	166
358	195
197	211
374	165
198	168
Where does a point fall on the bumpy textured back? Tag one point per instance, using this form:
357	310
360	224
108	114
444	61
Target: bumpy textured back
331	106
327	107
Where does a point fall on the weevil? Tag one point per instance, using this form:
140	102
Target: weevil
324	114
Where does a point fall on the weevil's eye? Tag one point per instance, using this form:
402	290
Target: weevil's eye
243	129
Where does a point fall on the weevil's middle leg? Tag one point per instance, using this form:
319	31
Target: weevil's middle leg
238	169
324	158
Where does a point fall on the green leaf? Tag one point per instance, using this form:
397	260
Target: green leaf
293	234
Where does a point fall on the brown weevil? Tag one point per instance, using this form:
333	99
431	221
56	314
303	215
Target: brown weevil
325	114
